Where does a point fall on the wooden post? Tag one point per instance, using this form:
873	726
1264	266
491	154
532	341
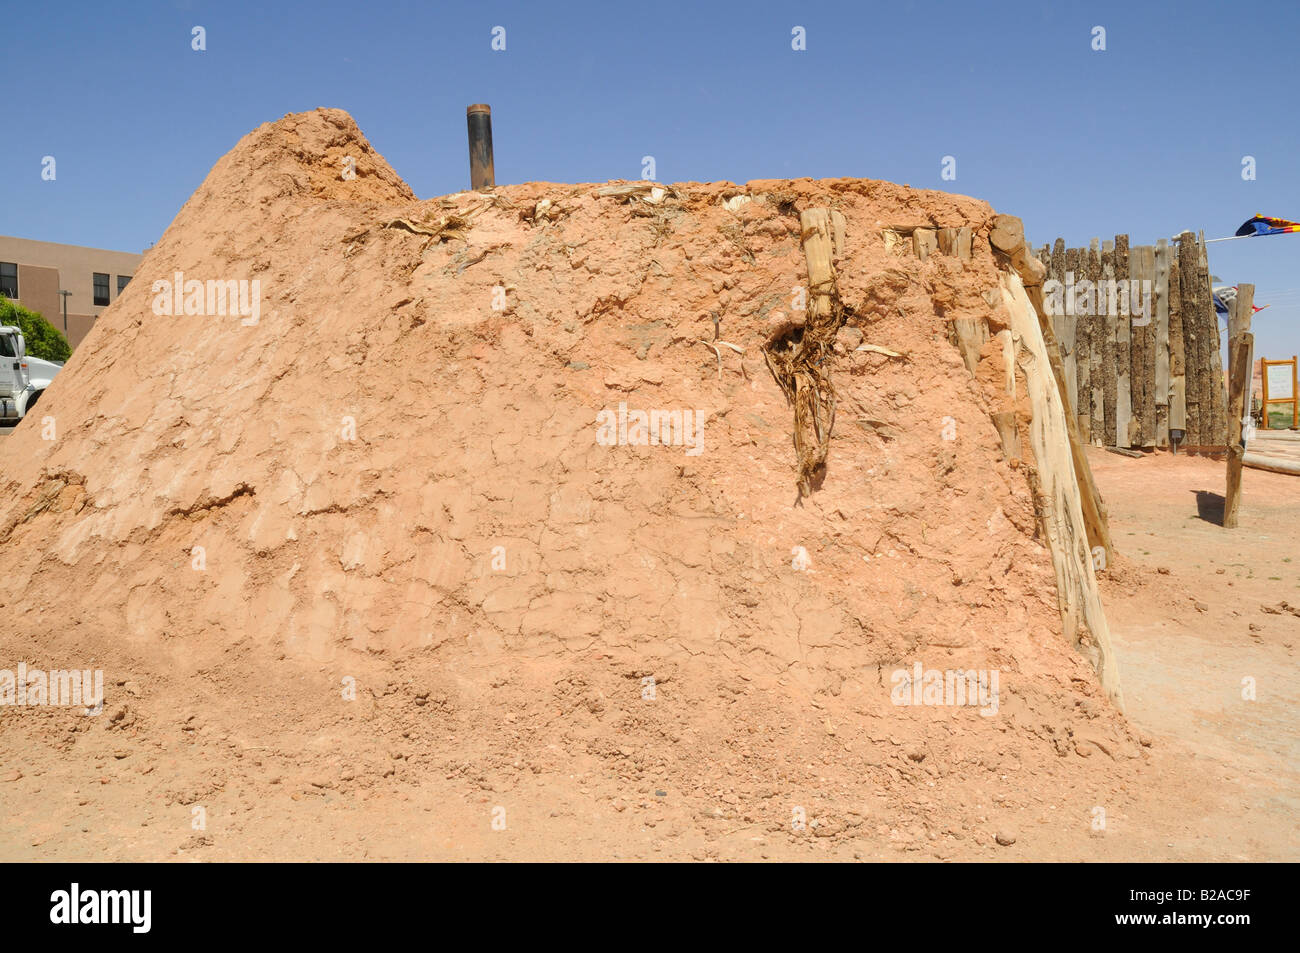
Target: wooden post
1143	269
1161	319
1059	496
1096	349
1192	334
1177	357
482	172
1123	356
1110	333
1064	326
1217	394
1094	514
1241	345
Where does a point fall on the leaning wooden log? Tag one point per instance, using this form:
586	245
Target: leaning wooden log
1240	348
1082	616
1094	513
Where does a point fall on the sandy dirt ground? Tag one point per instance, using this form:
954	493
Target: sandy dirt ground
1223	607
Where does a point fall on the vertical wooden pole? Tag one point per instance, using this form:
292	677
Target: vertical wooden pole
1096	348
1063	326
1161	324
1123	356
1083	325
1057	269
1192	335
1109	333
482	171
1218	394
1241	344
1149	332
1177	357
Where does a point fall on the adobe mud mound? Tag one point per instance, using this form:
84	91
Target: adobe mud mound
401	479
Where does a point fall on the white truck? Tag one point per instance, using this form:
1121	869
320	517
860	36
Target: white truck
22	379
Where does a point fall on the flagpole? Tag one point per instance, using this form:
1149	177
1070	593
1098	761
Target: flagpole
1233	238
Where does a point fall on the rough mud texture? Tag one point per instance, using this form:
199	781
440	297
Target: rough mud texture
499	585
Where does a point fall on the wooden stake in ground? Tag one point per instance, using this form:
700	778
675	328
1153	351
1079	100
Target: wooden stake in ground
1217	392
1192	333
1123	359
1108	336
1241	346
1082	616
1096	331
1177	348
1160	298
1064	326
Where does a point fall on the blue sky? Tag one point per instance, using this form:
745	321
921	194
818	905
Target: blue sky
1146	137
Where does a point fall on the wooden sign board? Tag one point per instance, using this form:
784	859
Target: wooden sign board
1280	388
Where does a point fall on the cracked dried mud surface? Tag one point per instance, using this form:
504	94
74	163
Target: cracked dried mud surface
396	488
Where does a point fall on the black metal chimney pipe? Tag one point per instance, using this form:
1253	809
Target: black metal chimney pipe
482	174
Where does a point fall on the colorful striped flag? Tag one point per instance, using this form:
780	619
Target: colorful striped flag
1267	225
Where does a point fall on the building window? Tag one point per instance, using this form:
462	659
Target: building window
122	281
9	280
101	288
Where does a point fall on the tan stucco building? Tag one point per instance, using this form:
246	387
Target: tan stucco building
33	273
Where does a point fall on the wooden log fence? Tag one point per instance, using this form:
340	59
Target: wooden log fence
1140	342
